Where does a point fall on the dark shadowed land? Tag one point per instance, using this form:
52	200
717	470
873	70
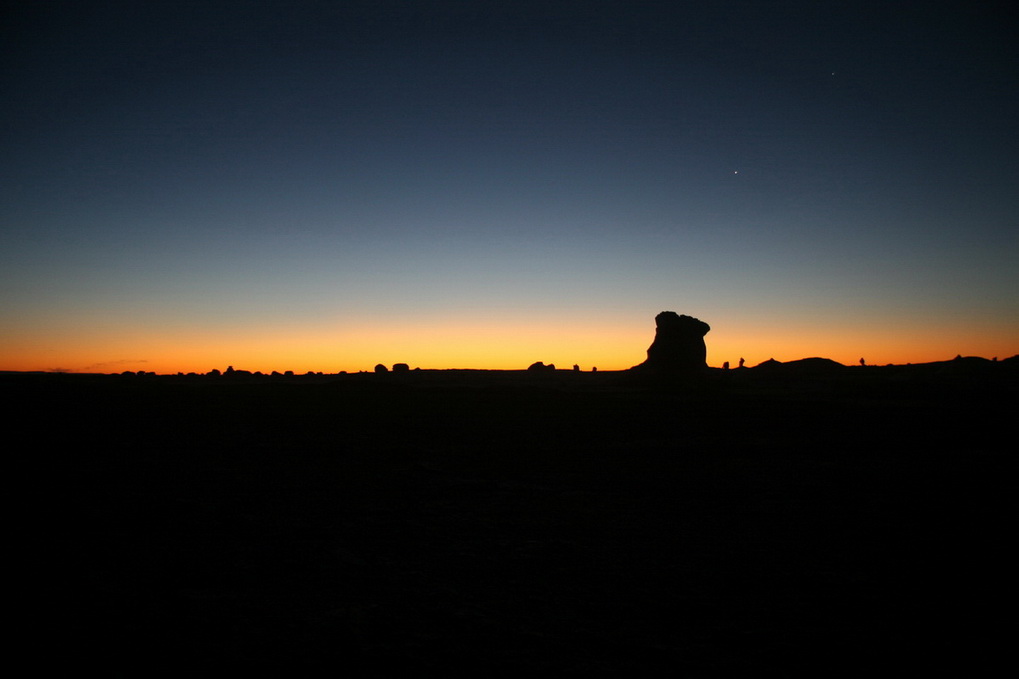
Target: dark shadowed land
799	518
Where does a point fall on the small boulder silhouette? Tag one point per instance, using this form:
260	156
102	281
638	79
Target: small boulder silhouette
401	368
381	368
678	347
538	366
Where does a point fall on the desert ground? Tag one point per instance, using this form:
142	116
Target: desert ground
801	519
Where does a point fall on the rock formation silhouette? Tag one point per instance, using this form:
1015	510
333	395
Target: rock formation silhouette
538	366
678	347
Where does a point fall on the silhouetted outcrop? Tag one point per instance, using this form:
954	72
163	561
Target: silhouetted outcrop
541	367
401	368
815	364
804	367
678	348
381	368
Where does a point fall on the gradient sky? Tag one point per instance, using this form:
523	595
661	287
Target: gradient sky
329	185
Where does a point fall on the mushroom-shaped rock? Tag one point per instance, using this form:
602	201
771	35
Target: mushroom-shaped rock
679	346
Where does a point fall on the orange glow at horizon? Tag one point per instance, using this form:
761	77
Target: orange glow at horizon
493	344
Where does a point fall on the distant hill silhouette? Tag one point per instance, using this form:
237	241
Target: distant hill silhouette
538	366
803	365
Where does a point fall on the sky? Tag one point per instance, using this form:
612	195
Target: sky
329	185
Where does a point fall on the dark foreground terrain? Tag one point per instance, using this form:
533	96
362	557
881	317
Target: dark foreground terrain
790	522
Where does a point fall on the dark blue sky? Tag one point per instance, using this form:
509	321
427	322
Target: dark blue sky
810	178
